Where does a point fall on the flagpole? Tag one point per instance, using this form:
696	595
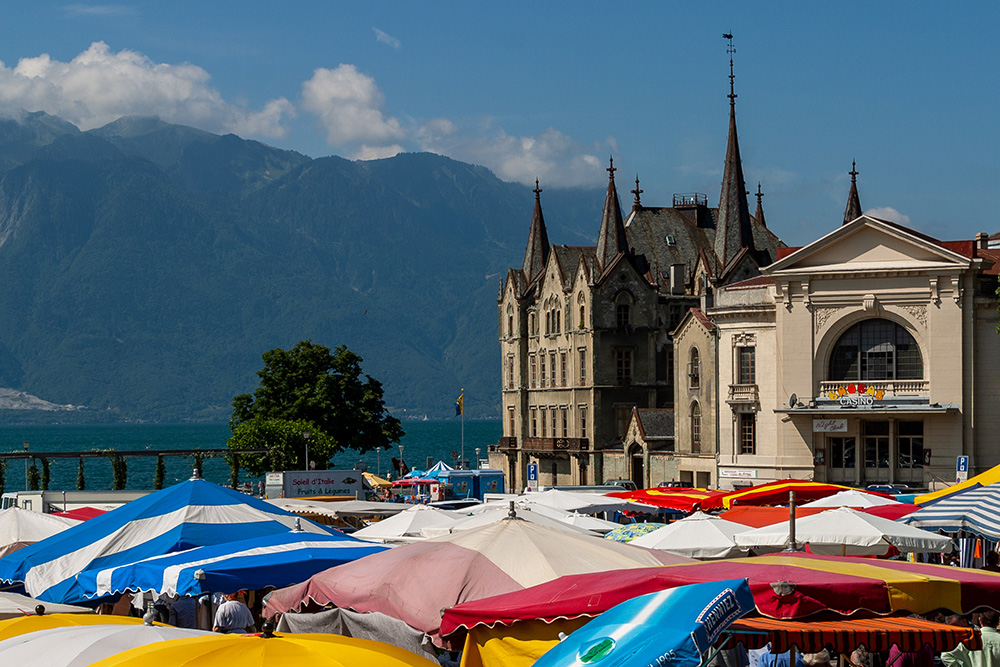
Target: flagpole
463	426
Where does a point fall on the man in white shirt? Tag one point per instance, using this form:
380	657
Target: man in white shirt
233	616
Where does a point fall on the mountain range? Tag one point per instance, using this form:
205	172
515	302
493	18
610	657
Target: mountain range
147	266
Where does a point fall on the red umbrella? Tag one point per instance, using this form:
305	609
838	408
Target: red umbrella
891	512
791	586
774	493
685	500
81	513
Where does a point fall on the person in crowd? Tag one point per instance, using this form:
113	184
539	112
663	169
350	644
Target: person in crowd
992	562
233	615
184	612
989	656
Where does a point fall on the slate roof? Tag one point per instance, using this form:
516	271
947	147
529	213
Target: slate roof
656	423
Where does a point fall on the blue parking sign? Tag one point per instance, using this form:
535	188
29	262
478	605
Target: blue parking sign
532	472
961	469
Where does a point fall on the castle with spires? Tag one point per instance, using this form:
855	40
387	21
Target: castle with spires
690	345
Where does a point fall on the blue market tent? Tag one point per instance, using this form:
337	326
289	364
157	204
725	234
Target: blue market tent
191	514
437	469
270	560
975	511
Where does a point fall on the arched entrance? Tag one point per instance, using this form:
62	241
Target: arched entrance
637	466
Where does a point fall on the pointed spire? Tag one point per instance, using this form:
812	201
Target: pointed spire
732	230
611	239
853	209
537	252
637	204
759	216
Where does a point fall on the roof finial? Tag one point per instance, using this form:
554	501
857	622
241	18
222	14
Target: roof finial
854	171
732	77
611	169
637	204
537	191
760	195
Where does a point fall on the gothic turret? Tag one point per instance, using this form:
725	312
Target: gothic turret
611	240
732	230
759	215
537	252
853	209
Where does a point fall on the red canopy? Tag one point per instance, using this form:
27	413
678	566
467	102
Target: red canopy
788	586
891	512
758	517
774	493
685	500
81	513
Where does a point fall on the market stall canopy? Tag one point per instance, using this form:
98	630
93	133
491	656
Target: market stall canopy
759	516
975	510
414	582
576	501
697	536
792	586
21	625
843	636
79	646
494	512
338	510
270	560
846	532
375	481
991	476
14	605
312	648
683	500
406	525
190	514
892	512
81	513
774	493
20	527
853	498
437	469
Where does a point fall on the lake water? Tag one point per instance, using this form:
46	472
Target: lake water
424	439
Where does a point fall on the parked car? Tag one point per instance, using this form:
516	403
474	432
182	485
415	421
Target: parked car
626	484
674	485
889	489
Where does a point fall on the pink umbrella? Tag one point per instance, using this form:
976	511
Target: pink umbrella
415	582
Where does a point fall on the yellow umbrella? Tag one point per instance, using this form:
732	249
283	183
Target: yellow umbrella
375	480
284	650
12	627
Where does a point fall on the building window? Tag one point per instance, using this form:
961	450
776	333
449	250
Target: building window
552	365
510	371
534	423
510	325
542	415
532	325
534	370
623	364
694	369
622	315
748	433
911	444
746	372
695	428
876	349
583	422
842	452
876	444
562	368
565	422
583	366
558	322
541	360
582	318
511	431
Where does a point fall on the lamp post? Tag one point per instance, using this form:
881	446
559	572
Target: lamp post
400	460
477	458
305	438
378	459
26	465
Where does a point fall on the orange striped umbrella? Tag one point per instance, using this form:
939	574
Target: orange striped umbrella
774	493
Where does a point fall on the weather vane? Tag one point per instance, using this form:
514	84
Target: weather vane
731	50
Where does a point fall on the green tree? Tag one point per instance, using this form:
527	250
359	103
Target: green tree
81	481
46	474
326	390
119	471
3	474
160	473
285	444
33	477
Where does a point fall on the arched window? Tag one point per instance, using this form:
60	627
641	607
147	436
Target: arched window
582	313
695	428
548	322
694	369
623	310
876	349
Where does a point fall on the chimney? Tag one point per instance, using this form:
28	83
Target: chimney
677	278
982	240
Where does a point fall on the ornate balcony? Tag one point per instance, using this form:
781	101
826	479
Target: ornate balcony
505	443
890	387
743	393
556	444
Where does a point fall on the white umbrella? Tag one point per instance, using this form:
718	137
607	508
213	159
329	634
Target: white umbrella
852	498
79	646
844	531
20	527
14	605
539	515
697	536
406	525
591	523
573	501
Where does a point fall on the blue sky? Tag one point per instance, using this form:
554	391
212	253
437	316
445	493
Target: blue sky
551	89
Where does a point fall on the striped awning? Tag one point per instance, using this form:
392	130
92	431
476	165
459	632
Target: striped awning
877	634
975	510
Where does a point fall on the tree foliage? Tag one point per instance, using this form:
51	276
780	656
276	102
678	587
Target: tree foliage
159	473
34	478
46	474
314	390
81	480
119	471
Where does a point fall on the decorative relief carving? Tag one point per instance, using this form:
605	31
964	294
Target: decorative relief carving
918	313
823	314
744	339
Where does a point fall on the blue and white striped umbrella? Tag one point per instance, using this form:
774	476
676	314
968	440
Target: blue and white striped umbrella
975	511
191	514
271	560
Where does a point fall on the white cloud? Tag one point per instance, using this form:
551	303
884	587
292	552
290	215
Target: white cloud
551	156
386	38
890	214
348	106
99	86
98	10
377	152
